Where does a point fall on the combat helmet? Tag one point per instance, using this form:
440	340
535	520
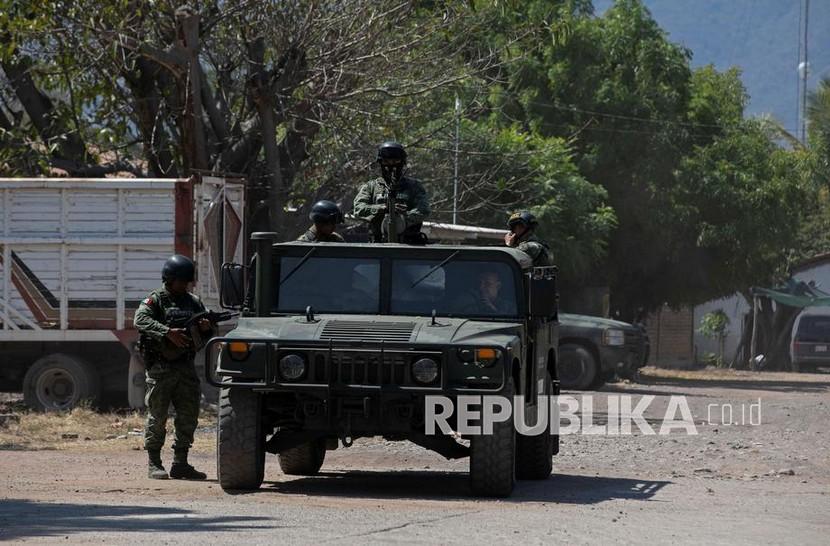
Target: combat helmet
178	267
522	217
325	212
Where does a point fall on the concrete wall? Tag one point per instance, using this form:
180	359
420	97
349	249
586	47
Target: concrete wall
736	307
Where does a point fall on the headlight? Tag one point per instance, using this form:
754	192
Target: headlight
292	367
613	337
425	370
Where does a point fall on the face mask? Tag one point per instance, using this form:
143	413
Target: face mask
391	173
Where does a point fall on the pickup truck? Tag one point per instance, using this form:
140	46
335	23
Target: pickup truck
594	349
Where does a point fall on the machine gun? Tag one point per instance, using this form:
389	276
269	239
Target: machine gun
391	213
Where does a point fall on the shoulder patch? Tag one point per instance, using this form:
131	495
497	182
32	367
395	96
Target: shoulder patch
149	301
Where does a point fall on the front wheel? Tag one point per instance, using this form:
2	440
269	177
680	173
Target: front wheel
534	460
240	461
493	458
578	369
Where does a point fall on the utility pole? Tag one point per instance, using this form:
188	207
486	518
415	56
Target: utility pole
455	170
803	73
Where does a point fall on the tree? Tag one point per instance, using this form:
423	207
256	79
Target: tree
706	202
243	87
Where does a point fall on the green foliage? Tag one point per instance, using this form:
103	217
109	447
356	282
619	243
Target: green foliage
714	324
706	203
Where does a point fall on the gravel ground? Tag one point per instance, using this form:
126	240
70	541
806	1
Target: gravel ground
731	483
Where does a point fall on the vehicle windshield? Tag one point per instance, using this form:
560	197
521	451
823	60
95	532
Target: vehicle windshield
815	329
329	285
453	287
457	288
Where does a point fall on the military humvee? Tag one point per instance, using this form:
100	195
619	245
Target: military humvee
342	341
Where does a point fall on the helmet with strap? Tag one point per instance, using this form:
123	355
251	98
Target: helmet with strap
325	212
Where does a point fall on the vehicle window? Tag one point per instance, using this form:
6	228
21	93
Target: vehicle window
461	288
330	285
815	329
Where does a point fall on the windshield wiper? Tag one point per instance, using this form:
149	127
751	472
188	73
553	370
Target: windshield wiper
434	269
299	265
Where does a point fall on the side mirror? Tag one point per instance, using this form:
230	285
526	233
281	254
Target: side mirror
232	287
542	298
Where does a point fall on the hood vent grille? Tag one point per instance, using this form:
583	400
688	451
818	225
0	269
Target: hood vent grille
359	330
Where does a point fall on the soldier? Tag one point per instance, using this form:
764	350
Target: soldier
171	374
522	226
325	215
408	195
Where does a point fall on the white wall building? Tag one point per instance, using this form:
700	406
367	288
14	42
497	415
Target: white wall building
736	307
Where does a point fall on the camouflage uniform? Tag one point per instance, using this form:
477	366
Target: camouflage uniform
371	199
311	236
537	249
171	378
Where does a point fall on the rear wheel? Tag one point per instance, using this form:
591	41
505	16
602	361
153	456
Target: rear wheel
304	459
493	458
534	458
59	382
240	461
577	367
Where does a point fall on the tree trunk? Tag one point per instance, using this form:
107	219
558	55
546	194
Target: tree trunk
193	130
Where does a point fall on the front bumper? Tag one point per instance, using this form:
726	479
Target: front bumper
350	367
625	358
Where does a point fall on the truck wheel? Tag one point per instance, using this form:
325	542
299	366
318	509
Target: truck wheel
534	457
136	387
577	367
493	458
60	382
304	459
240	461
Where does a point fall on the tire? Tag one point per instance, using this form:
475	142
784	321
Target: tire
534	454
303	460
136	387
240	449
59	382
493	458
577	367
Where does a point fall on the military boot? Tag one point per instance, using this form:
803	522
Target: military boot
154	468
181	470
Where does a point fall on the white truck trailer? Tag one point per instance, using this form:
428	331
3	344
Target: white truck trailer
76	258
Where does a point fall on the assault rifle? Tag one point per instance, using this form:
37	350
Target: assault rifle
196	338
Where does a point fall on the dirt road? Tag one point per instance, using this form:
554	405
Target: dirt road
737	484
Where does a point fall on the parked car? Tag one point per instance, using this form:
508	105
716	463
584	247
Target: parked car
810	345
594	349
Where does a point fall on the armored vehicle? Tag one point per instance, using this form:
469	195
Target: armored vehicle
342	341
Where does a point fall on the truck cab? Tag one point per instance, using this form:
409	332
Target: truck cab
342	341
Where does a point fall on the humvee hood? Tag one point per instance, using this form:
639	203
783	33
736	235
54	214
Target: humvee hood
379	328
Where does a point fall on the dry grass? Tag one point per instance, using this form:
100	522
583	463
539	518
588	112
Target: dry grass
84	428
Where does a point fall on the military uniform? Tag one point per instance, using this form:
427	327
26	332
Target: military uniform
371	200
171	373
311	236
537	249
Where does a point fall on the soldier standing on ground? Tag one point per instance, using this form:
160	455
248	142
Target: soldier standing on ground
522	235
408	195
325	215
171	374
